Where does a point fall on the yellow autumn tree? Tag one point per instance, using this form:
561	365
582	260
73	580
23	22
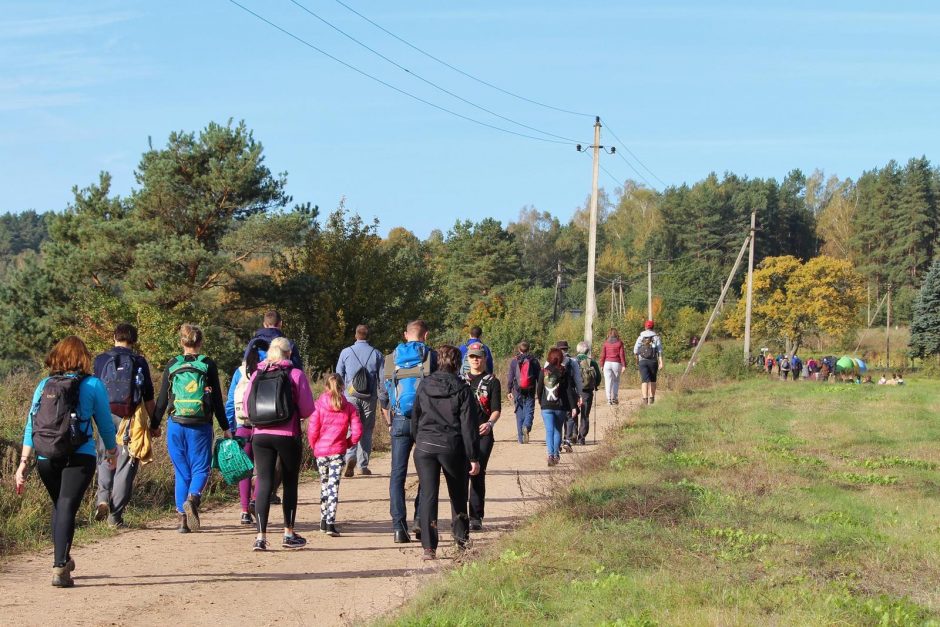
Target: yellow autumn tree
793	300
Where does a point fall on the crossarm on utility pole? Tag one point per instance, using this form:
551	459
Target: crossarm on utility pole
721	299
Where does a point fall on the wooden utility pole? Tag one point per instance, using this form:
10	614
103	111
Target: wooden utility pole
750	291
649	289
711	319
888	331
623	310
590	306
557	288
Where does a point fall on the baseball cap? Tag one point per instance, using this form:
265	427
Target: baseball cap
648	324
476	350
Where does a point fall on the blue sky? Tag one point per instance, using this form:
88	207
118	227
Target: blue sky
691	87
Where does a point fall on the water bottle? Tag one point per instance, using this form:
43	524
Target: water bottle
74	434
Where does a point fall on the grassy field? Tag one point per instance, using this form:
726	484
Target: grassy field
758	502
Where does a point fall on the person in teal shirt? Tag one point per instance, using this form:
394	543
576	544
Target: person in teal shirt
68	476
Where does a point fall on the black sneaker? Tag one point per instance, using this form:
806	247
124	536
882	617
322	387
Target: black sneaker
323	528
275	500
260	545
416	530
294	542
364	471
251	507
246	519
476	525
332	531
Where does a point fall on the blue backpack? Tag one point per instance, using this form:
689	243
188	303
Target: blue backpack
407	371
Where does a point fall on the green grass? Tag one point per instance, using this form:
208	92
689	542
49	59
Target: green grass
756	502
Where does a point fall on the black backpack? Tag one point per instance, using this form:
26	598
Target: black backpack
57	428
119	375
271	400
359	386
647	348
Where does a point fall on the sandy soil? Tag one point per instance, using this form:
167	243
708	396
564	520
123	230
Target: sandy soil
157	576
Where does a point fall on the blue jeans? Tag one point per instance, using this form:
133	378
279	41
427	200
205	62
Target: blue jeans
402	443
525	413
553	419
190	448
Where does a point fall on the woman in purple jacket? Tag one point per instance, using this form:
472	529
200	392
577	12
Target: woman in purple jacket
277	440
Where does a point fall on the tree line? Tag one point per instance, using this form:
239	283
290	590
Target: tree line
210	235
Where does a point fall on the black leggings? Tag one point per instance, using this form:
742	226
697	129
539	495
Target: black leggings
66	479
457	473
268	450
478	482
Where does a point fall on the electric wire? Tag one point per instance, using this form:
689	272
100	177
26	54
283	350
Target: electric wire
389	85
422	79
624	145
458	70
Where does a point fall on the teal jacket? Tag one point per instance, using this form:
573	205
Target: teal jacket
92	405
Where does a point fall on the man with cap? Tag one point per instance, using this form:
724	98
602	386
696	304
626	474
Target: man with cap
574	370
648	350
486	390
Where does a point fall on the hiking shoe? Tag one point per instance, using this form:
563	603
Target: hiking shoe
293	542
251	507
260	545
61	577
275	500
332	531
191	509
525	437
416	530
102	511
70	565
476	525
429	554
551	460
183	528
364	471
323	528
116	523
350	468
566	447
246	519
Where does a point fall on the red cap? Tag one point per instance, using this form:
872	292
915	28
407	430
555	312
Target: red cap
648	324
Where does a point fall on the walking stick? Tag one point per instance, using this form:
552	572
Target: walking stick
594	407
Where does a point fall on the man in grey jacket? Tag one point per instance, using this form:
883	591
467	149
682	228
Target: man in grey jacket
361	355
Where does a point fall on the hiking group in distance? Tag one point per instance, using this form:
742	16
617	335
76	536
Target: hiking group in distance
440	407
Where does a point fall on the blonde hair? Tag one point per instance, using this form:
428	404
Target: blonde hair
190	336
279	350
334	387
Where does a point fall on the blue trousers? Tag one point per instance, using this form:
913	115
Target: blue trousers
190	448
402	444
525	414
553	419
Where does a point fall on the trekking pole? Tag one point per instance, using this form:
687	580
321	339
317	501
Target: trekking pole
594	407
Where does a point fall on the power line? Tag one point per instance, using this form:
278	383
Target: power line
624	146
421	78
389	85
458	70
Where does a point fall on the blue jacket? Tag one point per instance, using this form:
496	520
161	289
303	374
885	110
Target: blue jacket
230	399
92	404
269	334
486	349
361	355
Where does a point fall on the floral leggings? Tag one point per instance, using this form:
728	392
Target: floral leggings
330	469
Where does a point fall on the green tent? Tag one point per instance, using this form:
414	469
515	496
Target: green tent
845	365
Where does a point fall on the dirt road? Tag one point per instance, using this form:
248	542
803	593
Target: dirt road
155	575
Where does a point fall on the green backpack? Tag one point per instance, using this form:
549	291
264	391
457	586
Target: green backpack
188	381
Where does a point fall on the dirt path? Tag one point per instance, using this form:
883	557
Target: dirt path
156	575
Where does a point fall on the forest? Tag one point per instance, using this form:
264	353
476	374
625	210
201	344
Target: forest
210	235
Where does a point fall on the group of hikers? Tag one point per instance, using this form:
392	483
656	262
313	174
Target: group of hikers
439	405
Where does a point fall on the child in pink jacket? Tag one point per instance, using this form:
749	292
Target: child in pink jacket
333	428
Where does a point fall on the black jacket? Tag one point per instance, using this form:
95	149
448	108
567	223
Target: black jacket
564	396
446	416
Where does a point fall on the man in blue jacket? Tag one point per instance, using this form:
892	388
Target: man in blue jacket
361	356
475	334
271	329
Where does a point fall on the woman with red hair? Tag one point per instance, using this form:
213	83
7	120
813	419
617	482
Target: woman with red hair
558	398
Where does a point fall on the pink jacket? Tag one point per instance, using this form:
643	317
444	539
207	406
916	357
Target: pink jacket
613	351
327	428
303	400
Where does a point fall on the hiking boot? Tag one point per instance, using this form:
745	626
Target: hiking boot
429	554
323	528
70	564
102	511
275	500
402	537
61	577
294	541
247	519
191	508
116	523
652	399
476	525
350	468
551	460
332	531
260	545
566	447
416	530
183	528
364	471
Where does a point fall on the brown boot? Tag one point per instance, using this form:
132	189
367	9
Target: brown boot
191	507
61	577
183	528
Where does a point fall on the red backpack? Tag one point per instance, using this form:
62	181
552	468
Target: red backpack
526	376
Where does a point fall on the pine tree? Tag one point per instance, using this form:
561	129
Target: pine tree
916	221
925	326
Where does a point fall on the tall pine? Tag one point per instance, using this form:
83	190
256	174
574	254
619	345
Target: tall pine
915	222
925	326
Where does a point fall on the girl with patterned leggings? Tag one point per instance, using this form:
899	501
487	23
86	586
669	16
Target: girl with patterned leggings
332	430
